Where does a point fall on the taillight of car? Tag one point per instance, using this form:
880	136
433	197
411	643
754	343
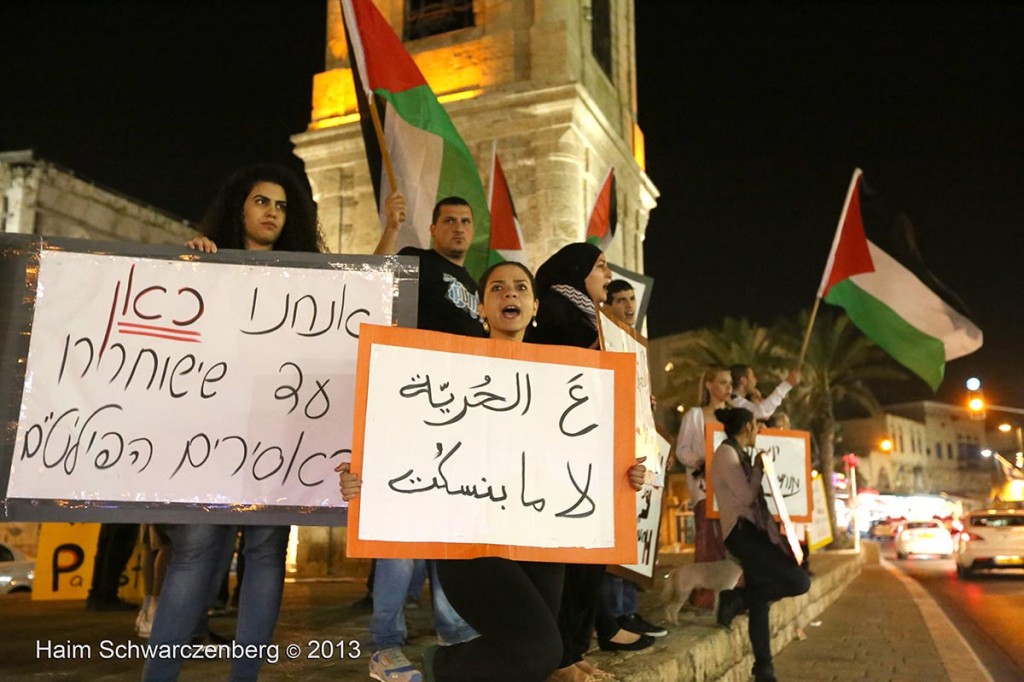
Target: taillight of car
957	527
967	536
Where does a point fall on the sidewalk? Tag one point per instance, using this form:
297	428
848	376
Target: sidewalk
862	625
883	627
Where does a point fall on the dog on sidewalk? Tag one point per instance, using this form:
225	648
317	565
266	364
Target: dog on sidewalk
711	575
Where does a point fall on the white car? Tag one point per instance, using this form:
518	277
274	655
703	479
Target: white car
990	539
923	537
17	571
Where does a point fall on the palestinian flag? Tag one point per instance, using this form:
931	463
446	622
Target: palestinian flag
604	214
876	274
430	159
507	243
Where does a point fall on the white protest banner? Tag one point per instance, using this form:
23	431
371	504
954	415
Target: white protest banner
475	447
620	338
791	455
182	380
819	531
648	526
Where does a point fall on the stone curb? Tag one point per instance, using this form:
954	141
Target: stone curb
706	652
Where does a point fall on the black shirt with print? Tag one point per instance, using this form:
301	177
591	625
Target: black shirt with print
448	295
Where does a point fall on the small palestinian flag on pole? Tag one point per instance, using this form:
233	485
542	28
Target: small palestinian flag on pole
604	214
406	130
507	243
876	274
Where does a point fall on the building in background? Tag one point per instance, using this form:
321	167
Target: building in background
930	447
38	197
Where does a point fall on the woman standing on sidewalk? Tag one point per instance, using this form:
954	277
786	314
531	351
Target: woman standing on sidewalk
259	208
571	284
716	388
752	536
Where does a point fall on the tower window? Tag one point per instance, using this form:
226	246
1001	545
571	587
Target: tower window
601	34
429	17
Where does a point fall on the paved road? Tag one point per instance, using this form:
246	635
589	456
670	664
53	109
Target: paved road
987	610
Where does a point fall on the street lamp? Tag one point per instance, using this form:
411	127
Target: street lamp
1006	427
885	445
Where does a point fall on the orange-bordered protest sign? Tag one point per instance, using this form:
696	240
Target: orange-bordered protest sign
474	447
791	453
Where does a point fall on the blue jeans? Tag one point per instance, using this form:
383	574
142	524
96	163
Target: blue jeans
391	582
620	595
197	551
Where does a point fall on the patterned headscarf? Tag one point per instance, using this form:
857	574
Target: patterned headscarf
566	272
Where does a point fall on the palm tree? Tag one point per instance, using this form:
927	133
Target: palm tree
839	362
738	341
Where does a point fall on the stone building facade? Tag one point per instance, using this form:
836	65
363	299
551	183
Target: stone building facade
552	82
38	197
936	448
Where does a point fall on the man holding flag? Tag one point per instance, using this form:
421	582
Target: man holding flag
411	142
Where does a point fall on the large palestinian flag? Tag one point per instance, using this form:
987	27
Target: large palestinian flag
507	243
876	274
430	159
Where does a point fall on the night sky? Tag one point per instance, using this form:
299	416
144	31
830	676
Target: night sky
755	116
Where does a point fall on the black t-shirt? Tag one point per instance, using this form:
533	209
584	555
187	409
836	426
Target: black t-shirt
448	295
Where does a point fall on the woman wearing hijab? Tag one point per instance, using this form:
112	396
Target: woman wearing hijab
570	286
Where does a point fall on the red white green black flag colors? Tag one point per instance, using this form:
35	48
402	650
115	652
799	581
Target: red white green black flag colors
604	214
876	274
430	159
507	243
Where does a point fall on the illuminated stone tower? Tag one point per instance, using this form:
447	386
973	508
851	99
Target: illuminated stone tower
552	81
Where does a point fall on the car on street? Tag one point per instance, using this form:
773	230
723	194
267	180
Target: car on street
991	539
884	529
17	570
923	537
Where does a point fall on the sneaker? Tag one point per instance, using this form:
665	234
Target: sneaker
143	624
635	623
391	665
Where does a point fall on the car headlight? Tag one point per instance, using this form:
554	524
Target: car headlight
5	580
31	574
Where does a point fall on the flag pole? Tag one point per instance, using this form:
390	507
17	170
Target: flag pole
807	334
384	153
828	267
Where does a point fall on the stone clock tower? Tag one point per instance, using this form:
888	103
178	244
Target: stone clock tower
553	82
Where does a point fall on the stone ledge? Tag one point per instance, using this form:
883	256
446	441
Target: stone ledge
699	651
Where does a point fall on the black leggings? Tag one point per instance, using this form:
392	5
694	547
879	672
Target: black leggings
580	599
770	575
514	607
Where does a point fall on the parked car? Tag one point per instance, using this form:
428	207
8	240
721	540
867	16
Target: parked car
884	529
923	537
991	539
17	571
